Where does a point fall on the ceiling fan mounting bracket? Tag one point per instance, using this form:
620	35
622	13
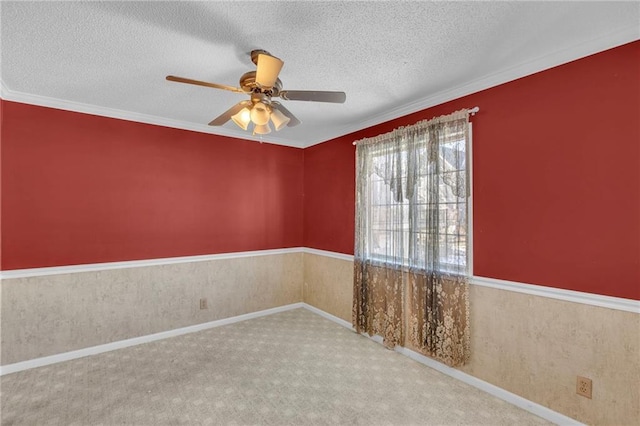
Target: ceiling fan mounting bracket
255	53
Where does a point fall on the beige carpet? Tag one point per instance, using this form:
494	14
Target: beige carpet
291	368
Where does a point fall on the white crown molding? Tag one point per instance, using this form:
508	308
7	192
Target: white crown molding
325	253
500	393
615	39
4	90
107	347
27	98
92	267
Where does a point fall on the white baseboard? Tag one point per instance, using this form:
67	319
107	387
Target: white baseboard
511	398
107	347
328	316
518	401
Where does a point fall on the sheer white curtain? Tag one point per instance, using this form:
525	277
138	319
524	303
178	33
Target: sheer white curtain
411	280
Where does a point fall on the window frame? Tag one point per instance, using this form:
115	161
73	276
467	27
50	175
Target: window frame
403	264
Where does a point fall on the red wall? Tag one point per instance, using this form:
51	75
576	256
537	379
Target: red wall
329	202
556	158
556	184
78	188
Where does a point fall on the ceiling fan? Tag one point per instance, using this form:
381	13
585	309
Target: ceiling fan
262	85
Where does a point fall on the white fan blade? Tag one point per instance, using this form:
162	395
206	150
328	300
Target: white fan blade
313	96
204	83
268	69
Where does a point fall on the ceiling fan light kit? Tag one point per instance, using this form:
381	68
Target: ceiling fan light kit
262	85
259	114
243	118
261	129
278	119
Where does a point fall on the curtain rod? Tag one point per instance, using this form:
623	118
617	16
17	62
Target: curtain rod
472	111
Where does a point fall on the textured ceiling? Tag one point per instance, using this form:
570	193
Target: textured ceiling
390	58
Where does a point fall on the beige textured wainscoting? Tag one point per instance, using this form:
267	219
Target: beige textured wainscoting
536	346
48	315
328	284
529	345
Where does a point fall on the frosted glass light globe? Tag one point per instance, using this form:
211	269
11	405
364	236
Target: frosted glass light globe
260	114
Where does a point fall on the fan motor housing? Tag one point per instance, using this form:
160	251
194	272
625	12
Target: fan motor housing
249	85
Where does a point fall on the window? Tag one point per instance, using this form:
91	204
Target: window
432	216
410	260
